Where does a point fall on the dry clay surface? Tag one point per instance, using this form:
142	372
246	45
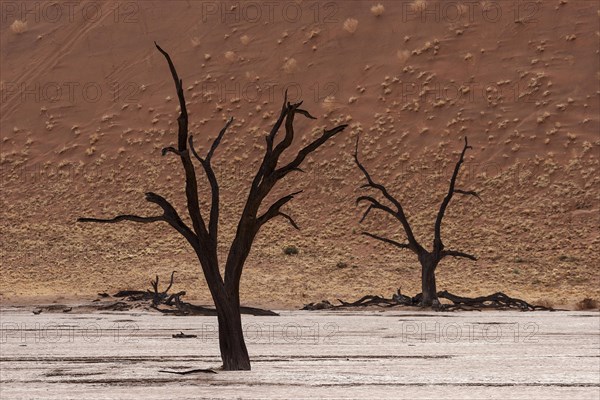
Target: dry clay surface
368	355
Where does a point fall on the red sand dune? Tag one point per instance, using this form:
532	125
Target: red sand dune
87	104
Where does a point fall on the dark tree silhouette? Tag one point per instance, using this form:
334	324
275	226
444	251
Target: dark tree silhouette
203	238
429	259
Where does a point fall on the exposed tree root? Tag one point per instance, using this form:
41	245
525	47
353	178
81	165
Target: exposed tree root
499	301
496	301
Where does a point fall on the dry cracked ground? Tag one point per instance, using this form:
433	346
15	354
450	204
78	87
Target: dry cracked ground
300	355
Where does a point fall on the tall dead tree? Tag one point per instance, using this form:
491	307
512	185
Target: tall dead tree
429	260
203	236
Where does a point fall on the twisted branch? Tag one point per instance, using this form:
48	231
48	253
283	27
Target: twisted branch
398	213
191	183
275	211
438	245
454	253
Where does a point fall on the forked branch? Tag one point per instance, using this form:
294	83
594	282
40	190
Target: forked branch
453	253
191	183
468	193
438	245
213	223
398	213
170	216
275	210
294	165
388	241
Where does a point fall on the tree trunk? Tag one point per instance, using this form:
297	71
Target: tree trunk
428	287
231	337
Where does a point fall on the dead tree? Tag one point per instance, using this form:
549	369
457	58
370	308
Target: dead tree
203	234
429	260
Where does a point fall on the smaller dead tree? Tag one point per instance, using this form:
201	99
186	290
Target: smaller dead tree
429	259
496	301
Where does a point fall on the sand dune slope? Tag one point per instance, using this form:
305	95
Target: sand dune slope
87	104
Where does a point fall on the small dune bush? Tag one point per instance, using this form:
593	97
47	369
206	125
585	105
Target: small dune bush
18	26
290	250
377	10
350	25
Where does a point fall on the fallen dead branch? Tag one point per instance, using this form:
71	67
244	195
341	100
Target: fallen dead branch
182	335
173	304
191	371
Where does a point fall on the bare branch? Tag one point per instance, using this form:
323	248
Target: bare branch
182	120
305	113
274	210
172	217
290	219
169	215
171	283
218	140
271	136
267	158
375	204
437	242
305	151
154	284
170	149
366	214
191	184
468	193
453	253
289	135
194	152
399	213
388	241
213	223
126	217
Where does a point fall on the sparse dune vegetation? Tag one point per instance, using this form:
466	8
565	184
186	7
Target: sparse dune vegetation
18	27
330	104
377	10
403	55
195	41
245	39
290	65
418	5
230	56
350	25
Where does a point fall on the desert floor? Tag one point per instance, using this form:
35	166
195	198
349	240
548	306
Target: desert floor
392	354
